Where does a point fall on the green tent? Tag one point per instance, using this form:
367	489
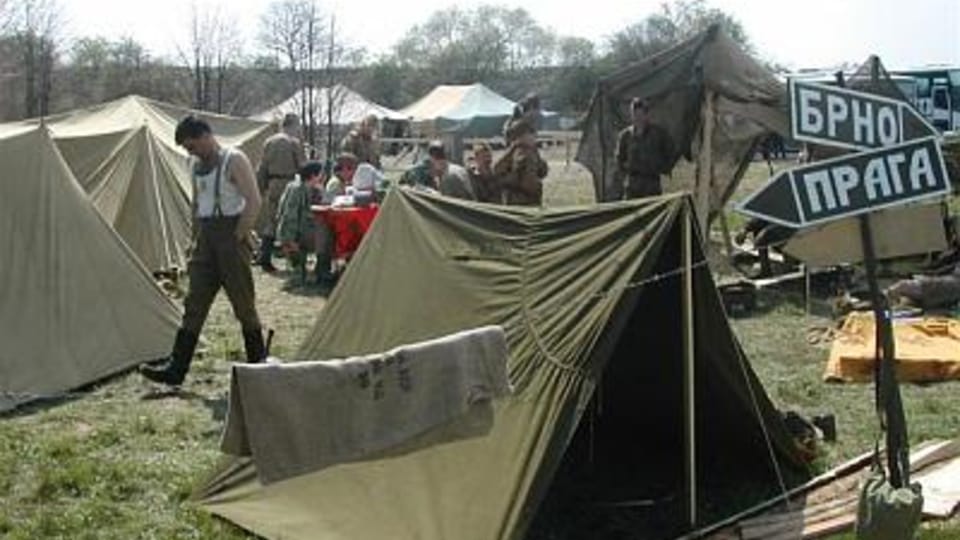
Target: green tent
716	101
76	304
592	301
124	155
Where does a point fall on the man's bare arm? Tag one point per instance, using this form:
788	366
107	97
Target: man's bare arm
241	174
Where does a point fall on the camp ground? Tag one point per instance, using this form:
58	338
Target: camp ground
769	349
124	156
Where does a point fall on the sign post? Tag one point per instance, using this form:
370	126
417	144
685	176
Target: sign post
896	160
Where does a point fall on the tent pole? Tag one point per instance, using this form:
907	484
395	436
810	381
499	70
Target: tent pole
690	461
704	181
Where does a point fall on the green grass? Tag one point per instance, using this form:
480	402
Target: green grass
110	463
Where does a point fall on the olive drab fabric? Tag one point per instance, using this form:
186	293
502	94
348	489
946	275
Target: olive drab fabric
565	286
749	103
76	304
124	155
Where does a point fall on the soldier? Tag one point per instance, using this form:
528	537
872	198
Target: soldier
486	185
521	170
363	141
296	228
644	152
343	171
282	157
427	173
225	206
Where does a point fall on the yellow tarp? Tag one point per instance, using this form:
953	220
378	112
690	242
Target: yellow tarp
927	349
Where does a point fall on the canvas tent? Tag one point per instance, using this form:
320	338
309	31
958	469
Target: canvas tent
472	110
76	304
713	98
348	107
124	155
591	301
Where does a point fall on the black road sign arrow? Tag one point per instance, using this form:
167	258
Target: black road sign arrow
836	116
851	184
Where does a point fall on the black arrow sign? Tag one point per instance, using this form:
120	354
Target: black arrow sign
837	116
851	184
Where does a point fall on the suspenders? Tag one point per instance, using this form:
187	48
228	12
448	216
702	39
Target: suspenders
224	161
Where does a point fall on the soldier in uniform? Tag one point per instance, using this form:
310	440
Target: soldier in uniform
225	205
343	171
296	228
282	157
363	142
486	185
521	170
427	174
644	152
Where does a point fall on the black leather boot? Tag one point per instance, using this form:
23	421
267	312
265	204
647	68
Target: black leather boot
174	368
253	344
266	254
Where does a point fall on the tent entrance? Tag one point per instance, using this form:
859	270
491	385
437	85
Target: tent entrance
623	474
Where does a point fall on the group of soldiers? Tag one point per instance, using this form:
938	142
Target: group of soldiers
290	184
229	200
516	178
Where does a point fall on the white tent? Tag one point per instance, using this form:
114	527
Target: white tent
348	107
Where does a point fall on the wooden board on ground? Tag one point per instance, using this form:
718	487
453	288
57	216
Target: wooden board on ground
831	508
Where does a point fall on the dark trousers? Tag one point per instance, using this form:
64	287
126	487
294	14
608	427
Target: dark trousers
220	260
643	186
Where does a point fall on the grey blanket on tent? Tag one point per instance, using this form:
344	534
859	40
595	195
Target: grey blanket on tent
300	417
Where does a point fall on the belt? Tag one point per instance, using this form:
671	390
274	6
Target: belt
215	219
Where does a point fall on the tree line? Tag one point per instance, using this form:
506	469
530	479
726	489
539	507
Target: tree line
299	46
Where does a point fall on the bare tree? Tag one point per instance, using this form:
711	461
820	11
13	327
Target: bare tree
35	26
294	31
212	47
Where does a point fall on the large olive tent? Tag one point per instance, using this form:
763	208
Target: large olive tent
124	155
592	300
716	102
76	304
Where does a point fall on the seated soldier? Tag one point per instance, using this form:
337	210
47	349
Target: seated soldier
427	174
486	185
367	182
296	228
342	177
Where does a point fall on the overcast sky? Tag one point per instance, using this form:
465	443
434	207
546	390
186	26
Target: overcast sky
809	33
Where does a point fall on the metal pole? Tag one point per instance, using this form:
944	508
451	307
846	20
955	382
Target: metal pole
689	389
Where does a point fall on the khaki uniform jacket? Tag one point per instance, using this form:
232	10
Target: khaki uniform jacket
367	149
521	171
646	154
283	156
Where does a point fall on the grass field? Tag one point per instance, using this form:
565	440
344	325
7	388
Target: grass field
117	461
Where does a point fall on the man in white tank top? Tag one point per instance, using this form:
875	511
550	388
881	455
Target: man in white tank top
225	207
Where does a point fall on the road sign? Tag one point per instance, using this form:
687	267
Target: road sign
851	184
836	116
